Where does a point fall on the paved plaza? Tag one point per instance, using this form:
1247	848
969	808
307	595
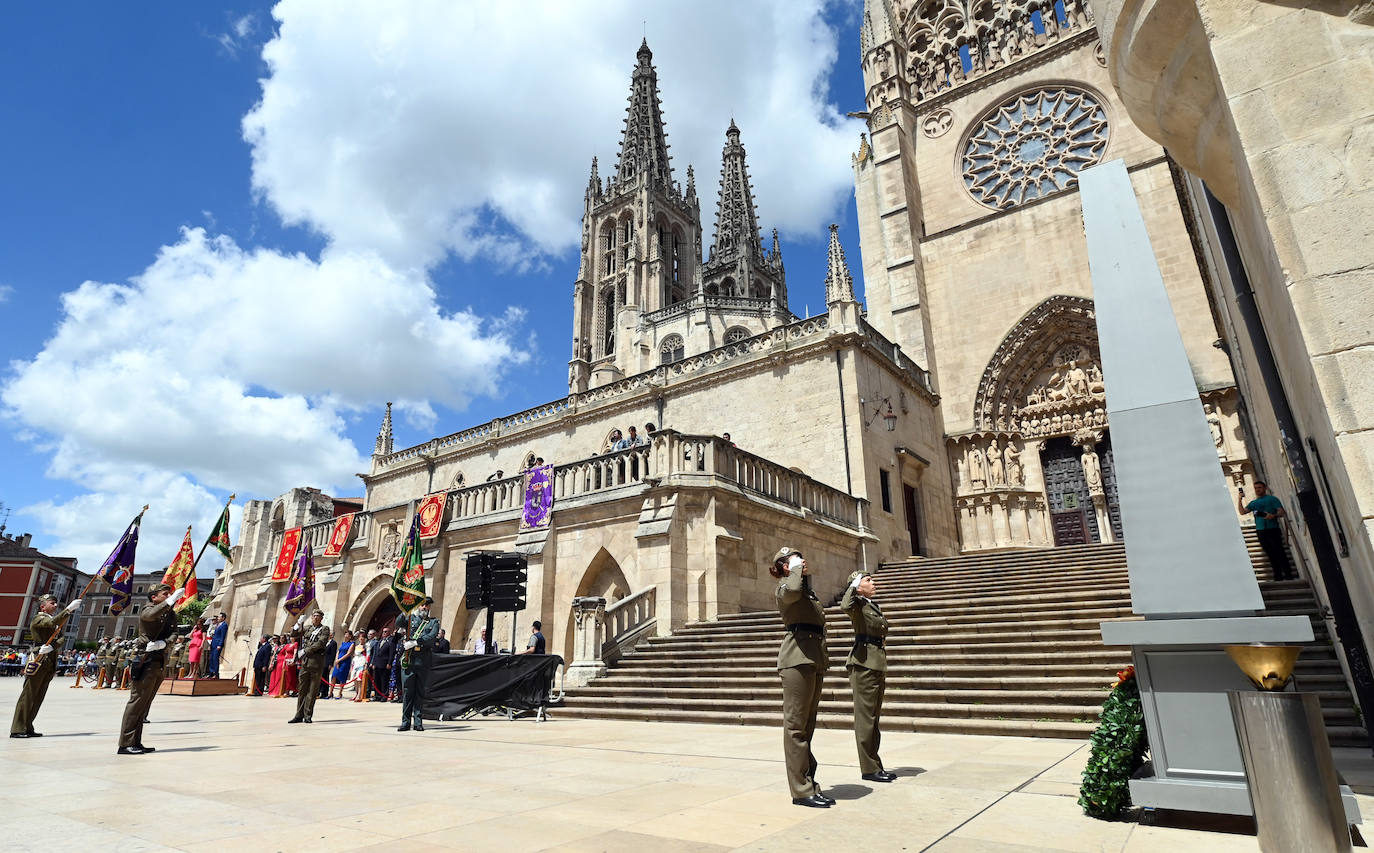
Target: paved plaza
230	774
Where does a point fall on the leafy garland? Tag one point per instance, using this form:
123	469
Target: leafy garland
1118	750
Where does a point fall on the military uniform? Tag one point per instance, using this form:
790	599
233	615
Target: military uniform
156	623
867	665
802	662
314	643
44	629
415	667
102	664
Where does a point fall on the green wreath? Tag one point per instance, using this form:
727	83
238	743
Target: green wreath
1118	750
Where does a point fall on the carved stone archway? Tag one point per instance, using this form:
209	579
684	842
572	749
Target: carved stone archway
365	602
1045	378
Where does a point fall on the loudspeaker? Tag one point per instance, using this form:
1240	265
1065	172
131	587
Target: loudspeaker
509	573
478	587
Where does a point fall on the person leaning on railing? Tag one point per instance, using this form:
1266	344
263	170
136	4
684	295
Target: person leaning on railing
802	662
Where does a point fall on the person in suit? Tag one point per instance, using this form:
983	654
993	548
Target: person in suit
441	644
381	666
802	662
219	633
417	658
262	666
867	665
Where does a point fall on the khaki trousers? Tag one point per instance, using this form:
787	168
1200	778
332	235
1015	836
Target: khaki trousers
308	688
142	691
801	699
31	696
868	685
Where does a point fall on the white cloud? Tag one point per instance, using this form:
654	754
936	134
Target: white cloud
6	291
431	127
403	134
220	368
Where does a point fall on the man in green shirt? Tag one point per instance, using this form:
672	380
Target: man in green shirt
1268	510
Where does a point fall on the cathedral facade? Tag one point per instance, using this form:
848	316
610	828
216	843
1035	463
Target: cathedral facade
961	409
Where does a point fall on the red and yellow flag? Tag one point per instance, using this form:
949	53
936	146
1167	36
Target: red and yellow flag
338	538
182	571
290	540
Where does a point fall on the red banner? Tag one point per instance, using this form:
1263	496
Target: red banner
431	512
343	526
287	555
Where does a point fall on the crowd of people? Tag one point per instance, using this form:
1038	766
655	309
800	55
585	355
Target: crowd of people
362	660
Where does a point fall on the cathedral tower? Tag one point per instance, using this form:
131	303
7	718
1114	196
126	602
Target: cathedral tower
981	113
643	296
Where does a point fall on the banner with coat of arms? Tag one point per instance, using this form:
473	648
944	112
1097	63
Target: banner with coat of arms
431	514
538	496
290	541
338	537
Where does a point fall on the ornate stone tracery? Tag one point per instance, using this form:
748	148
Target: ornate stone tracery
1044	379
1033	145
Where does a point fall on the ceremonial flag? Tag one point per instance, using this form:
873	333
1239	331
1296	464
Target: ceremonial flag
538	496
431	513
182	572
338	538
301	592
408	585
219	537
118	568
281	570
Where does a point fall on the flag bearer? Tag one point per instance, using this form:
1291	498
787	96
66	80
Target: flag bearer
417	660
314	640
47	633
156	624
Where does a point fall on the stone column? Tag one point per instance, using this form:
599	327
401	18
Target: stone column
589	619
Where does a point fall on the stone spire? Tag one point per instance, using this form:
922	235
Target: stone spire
737	222
839	284
691	184
644	147
385	442
594	181
777	248
877	27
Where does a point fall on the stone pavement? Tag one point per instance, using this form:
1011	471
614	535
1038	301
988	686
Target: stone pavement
230	775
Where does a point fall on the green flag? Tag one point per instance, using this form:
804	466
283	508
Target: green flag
408	584
219	537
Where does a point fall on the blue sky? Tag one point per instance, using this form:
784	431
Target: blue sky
440	150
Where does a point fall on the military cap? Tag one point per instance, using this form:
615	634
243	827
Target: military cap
783	553
47	596
428	600
162	587
855	577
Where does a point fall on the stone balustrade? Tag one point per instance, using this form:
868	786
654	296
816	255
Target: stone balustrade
629	617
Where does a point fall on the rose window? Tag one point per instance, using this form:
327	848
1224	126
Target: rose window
1034	145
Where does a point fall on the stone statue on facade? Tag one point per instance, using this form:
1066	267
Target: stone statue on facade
1016	476
1076	381
1092	471
977	470
997	473
1214	424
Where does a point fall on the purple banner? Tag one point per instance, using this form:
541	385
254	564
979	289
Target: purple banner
538	496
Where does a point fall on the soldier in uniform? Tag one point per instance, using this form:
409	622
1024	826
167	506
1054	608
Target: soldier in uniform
46	630
102	662
156	624
126	651
867	667
314	642
802	662
416	661
112	672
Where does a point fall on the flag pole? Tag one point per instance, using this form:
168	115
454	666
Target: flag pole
91	582
206	544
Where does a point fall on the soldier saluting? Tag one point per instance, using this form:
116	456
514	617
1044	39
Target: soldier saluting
416	662
802	662
867	665
314	639
156	624
46	630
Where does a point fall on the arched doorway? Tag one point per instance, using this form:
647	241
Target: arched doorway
384	616
603	578
1080	488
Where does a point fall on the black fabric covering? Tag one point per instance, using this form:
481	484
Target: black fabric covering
459	683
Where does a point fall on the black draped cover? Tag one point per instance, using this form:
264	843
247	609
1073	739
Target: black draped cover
458	683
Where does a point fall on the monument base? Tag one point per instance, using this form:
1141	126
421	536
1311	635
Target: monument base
1211	797
201	687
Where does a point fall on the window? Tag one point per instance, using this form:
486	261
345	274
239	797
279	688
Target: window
134	611
100	632
886	488
129	633
138	589
671	350
105	611
736	333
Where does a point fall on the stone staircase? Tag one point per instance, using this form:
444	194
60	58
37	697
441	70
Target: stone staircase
1004	644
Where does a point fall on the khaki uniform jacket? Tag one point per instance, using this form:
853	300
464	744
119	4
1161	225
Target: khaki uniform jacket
867	618
156	622
314	642
798	604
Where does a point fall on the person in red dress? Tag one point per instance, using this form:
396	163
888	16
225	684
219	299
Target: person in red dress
194	646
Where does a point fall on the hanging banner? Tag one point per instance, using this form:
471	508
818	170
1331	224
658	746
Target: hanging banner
538	496
431	514
290	540
343	526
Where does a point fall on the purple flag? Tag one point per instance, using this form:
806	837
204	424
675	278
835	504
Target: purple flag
538	496
118	568
301	592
